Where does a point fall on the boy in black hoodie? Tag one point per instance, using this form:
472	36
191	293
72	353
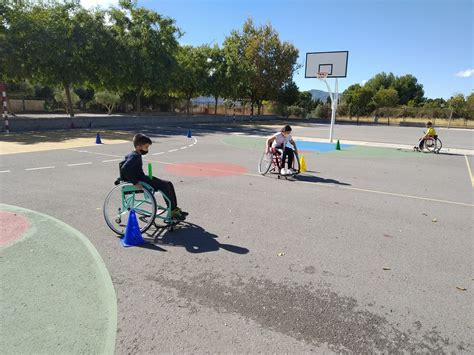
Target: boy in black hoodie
131	170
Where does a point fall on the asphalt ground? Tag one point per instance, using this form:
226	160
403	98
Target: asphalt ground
369	251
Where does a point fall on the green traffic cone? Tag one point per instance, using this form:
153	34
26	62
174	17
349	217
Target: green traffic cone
150	171
338	146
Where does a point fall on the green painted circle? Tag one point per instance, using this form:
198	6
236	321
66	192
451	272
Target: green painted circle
57	295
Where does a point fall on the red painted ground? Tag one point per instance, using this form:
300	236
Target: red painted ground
205	169
12	226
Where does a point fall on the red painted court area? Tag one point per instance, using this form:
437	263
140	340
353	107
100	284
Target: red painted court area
205	169
12	226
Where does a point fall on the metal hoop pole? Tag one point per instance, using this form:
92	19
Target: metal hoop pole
334	97
333	111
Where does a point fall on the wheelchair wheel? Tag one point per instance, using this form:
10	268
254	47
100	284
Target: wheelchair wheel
265	163
296	163
439	145
121	200
430	144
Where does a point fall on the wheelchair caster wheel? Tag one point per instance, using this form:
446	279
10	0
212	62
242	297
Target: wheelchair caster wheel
170	228
279	177
118	221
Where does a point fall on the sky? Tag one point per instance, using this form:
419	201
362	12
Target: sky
430	39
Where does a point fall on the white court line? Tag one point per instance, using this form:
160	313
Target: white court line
40	168
109	160
158	153
469	169
183	148
5	171
78	164
345	187
190	145
172	150
85	151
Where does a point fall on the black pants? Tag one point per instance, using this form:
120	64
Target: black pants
287	152
165	186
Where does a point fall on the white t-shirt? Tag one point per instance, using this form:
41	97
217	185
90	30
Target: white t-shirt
281	140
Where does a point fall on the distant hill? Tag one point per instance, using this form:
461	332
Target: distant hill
319	94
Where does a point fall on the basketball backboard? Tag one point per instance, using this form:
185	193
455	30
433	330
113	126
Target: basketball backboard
333	63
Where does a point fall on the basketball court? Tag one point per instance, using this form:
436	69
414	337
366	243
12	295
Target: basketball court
369	250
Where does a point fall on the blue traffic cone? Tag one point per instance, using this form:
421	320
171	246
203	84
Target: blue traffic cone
189	133
132	237
97	139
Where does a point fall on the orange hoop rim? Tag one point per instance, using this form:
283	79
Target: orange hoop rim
322	74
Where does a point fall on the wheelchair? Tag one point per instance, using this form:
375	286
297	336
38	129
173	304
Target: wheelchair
432	144
125	196
270	162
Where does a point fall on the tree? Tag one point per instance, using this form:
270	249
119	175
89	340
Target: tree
193	72
408	89
60	45
470	106
61	97
21	89
305	101
288	93
259	63
457	103
434	103
385	98
146	43
470	102
380	81
217	84
360	99
107	99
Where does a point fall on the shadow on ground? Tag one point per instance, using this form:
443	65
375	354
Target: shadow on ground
192	237
320	180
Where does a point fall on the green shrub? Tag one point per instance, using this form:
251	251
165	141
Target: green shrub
107	99
321	111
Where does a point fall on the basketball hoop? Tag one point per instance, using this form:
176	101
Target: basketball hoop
324	66
322	75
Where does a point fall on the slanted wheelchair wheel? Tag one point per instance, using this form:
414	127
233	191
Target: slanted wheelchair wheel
265	163
296	164
430	144
121	200
439	145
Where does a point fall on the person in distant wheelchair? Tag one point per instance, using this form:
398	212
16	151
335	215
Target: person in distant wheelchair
279	141
131	170
429	135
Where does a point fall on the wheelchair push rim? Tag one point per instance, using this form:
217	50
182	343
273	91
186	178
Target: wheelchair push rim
119	203
433	145
265	163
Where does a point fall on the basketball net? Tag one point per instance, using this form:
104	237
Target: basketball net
322	75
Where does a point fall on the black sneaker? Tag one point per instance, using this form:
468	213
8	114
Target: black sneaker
182	212
178	215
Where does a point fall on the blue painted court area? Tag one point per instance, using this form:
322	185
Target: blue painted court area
318	146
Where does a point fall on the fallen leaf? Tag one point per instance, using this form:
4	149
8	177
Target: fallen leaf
388	236
386	268
280	254
424	214
461	288
434	220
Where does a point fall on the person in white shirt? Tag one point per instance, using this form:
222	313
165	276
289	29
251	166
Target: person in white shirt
280	141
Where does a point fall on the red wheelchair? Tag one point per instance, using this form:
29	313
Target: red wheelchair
270	162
